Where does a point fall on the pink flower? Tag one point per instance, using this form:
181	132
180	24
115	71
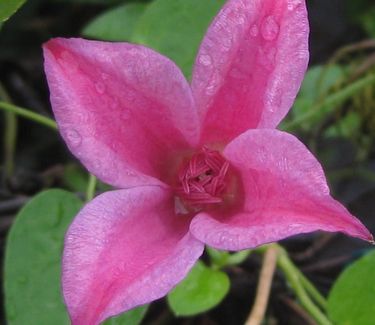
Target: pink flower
196	164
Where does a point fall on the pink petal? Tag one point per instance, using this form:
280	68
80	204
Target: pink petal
250	66
124	110
124	249
285	193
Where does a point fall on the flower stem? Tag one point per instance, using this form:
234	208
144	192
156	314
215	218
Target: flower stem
10	137
314	293
91	186
294	278
264	286
28	114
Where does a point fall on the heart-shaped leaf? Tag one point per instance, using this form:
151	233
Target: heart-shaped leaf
201	290
33	263
115	24
176	28
352	298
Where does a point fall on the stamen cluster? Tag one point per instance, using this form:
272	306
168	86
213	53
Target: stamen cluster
202	180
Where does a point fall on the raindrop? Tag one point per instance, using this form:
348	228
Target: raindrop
293	4
270	28
205	59
241	20
105	76
227	41
254	31
73	137
100	87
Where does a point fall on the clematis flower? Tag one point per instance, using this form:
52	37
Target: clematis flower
194	164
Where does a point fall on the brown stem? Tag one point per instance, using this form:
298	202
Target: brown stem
264	287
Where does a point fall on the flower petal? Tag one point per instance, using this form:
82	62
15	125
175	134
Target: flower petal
124	110
250	66
285	194
124	249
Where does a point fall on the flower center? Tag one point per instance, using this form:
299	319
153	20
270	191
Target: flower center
202	179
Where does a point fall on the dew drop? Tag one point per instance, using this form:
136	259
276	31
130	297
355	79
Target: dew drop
74	137
241	20
227	42
205	59
100	87
254	31
97	165
105	76
270	28
293	4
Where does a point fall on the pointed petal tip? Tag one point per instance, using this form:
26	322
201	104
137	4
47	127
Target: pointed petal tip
371	240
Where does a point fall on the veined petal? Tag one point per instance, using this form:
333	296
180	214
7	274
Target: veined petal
124	249
250	66
123	110
285	193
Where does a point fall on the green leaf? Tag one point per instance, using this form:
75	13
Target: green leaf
176	28
115	24
328	105
32	263
9	7
368	22
352	298
319	79
348	126
317	82
201	290
75	178
32	259
132	317
92	2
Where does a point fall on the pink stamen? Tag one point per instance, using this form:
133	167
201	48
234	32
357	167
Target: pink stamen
202	179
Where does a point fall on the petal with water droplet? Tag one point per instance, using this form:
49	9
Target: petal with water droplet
125	248
270	49
124	108
285	194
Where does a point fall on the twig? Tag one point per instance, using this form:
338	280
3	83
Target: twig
264	286
10	137
293	275
299	310
28	114
12	204
315	248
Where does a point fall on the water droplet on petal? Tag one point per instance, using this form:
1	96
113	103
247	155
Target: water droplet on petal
241	20
105	76
254	31
293	4
73	137
205	59
270	28
227	41
100	87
